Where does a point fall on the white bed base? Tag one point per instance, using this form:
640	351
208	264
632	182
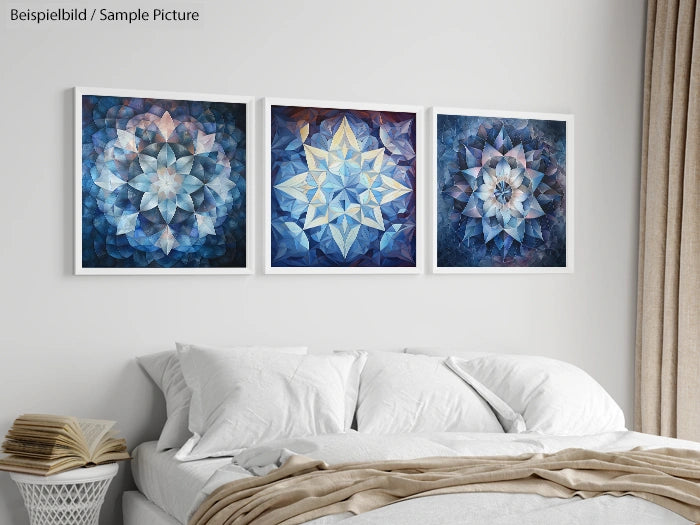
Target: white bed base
140	511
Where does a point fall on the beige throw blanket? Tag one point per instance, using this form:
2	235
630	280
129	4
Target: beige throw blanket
304	489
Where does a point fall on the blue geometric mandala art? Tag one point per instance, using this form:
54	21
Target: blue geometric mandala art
343	188
163	183
501	199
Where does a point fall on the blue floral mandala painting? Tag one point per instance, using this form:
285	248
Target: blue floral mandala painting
163	184
343	188
501	191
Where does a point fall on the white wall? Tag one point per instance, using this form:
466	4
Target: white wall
68	342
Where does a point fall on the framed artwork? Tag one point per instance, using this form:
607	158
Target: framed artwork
162	183
342	187
502	191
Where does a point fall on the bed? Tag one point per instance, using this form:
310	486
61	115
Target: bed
240	416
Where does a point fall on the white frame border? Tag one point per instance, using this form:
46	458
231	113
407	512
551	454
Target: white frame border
79	91
419	189
566	117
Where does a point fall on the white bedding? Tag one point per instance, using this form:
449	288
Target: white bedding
180	487
137	510
513	509
171	484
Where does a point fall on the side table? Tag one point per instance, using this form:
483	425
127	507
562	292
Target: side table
73	497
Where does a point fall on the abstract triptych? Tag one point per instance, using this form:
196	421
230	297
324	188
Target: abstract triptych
165	186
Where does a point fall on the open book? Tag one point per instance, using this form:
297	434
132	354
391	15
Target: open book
44	444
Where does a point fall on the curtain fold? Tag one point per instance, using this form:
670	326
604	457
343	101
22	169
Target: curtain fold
667	397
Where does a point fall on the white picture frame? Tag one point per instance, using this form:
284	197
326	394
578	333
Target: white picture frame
420	187
568	119
250	153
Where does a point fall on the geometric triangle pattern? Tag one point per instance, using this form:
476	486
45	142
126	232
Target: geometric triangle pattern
502	192
163	183
343	188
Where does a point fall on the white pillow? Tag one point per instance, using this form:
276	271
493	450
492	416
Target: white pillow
401	393
553	397
165	371
445	352
241	398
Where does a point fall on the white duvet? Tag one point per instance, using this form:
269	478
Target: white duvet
465	509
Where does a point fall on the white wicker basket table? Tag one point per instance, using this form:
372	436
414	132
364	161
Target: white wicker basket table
73	497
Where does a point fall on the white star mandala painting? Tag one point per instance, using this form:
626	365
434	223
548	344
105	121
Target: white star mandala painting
342	188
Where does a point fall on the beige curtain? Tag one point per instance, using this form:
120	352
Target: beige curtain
667	400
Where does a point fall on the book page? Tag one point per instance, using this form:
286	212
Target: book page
44	420
41	467
94	430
